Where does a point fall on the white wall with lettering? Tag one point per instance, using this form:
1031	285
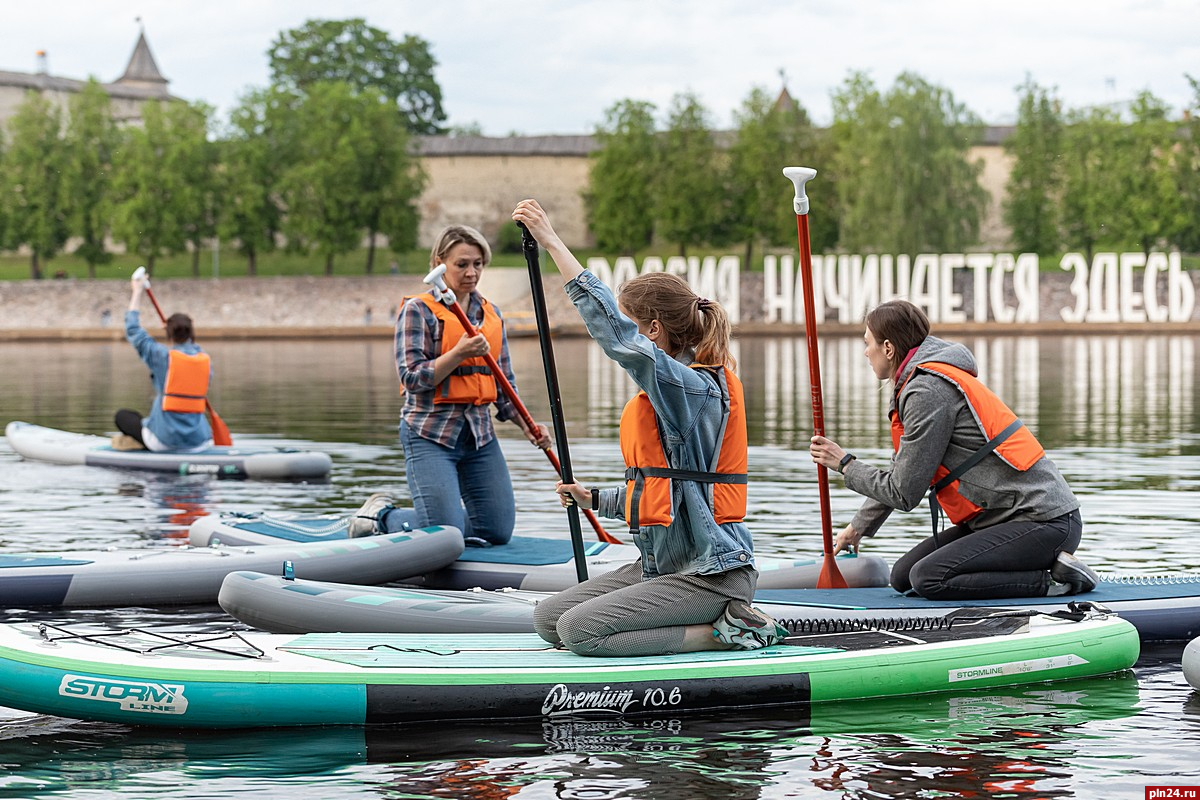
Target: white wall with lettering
1005	287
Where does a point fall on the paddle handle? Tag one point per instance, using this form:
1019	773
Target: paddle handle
140	272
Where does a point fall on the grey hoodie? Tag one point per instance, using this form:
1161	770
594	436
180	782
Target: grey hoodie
940	429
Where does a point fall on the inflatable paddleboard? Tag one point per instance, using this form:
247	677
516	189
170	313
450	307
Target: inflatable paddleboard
1191	663
279	605
531	563
1162	608
64	447
161	576
241	680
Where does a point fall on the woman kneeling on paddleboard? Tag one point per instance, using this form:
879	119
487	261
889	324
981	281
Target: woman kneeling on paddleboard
456	471
1015	522
181	375
683	437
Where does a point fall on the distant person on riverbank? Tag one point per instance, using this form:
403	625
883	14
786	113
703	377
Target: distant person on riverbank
683	437
180	373
1014	521
456	470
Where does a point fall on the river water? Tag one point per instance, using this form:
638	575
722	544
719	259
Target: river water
1120	415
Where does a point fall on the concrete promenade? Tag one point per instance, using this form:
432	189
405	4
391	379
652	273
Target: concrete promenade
350	307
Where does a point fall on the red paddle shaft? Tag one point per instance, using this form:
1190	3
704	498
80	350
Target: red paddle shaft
509	391
831	576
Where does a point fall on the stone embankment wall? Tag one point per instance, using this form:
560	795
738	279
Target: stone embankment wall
322	307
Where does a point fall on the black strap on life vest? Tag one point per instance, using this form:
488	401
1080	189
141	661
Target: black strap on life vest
476	370
639	474
935	508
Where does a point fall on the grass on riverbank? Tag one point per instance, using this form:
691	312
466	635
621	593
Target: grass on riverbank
230	264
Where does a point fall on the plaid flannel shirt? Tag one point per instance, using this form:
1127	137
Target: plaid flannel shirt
418	343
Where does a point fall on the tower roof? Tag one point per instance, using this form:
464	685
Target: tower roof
142	69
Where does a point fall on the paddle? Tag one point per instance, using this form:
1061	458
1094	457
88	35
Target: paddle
530	247
831	576
445	294
220	430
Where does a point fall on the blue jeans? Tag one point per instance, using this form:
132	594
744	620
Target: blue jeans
465	487
1011	559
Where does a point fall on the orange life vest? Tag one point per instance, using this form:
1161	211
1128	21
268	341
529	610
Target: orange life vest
648	475
1007	437
471	381
187	382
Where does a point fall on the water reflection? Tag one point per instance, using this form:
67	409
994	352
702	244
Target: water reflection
1073	390
1092	390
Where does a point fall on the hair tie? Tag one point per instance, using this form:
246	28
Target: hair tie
703	303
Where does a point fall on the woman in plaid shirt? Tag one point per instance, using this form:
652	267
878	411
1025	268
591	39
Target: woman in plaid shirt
456	471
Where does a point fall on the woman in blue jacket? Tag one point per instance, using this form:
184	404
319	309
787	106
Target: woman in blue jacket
180	373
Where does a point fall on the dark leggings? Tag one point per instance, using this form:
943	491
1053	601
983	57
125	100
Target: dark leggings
1011	559
130	423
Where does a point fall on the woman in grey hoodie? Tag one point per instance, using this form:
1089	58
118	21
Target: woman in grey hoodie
1014	522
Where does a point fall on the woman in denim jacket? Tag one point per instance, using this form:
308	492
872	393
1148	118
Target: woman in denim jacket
692	587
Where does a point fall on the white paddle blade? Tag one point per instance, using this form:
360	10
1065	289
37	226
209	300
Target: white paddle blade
441	291
800	176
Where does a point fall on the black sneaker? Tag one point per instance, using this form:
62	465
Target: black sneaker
746	628
1076	575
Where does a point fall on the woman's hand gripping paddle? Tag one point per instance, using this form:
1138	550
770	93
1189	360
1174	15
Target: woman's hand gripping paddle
445	295
831	576
220	430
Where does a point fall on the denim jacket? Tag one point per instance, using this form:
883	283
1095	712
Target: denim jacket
690	413
176	431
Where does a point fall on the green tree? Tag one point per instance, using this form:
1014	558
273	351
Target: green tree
689	197
193	157
399	216
620	194
353	52
1090	195
319	185
150	196
1186	235
770	135
1148	208
34	189
861	135
1034	187
905	183
388	179
3	193
91	139
252	157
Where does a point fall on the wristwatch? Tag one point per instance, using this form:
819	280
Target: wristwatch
846	459
595	499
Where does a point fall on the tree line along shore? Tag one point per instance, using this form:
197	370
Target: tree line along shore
327	156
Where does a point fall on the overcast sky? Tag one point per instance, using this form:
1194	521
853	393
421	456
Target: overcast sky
553	67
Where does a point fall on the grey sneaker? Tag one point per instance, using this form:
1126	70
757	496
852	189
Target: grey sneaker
1077	576
365	521
746	628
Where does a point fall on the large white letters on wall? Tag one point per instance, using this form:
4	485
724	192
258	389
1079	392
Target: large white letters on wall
1114	287
715	278
1005	287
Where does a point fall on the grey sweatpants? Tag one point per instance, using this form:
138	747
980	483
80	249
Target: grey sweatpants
619	614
